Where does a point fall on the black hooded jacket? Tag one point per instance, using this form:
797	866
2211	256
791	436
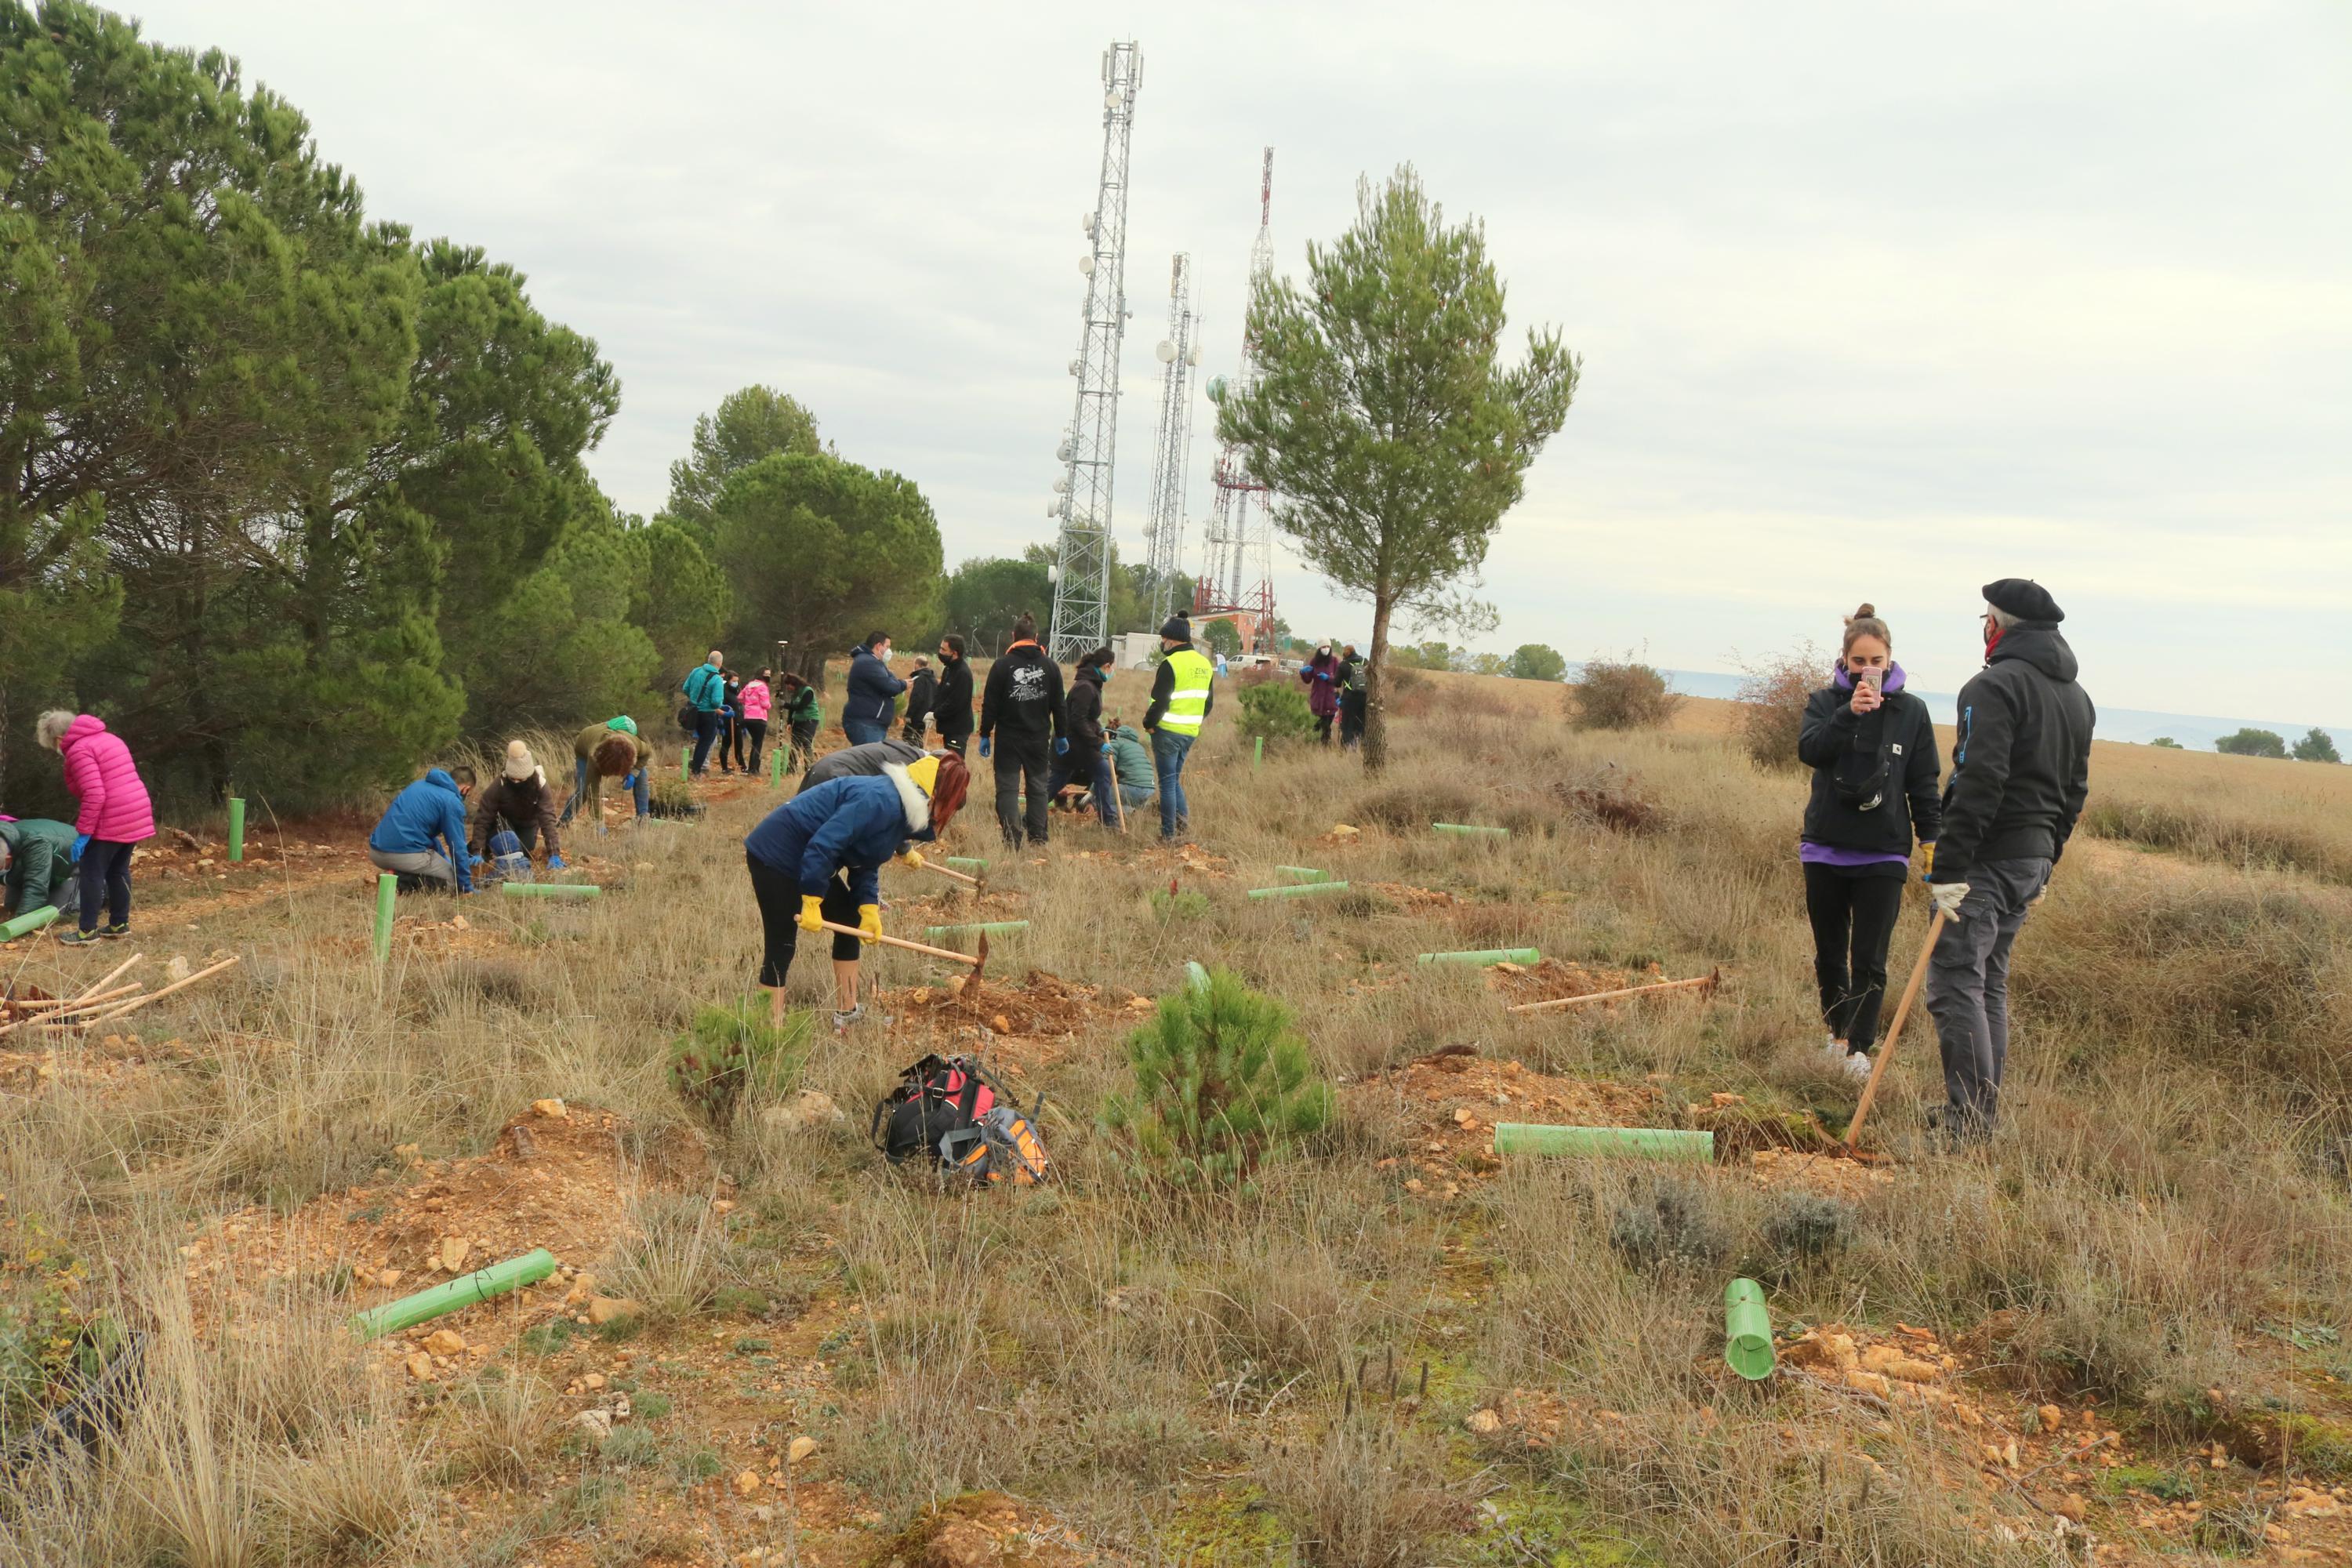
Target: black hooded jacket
2021	767
1875	774
1023	700
1083	709
952	707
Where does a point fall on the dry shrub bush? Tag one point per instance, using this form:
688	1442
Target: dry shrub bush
1410	806
1614	694
2268	841
1772	705
1371	1492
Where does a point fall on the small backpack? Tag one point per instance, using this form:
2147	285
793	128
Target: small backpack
946	1108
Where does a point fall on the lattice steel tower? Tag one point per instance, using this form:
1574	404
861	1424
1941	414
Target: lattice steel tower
1172	466
1239	572
1082	565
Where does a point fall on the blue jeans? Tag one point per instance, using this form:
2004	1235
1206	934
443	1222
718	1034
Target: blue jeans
1167	753
1094	769
580	789
706	729
864	732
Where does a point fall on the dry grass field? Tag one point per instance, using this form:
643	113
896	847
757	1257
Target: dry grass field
2118	1334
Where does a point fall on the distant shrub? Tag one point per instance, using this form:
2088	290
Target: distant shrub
2253	742
1613	695
1223	1086
1772	705
2166	743
1278	712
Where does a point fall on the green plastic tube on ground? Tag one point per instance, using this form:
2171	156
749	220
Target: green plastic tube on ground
991	927
1646	1142
482	1285
387	890
552	889
1471	829
1304	873
1747	1330
235	828
26	923
967	862
1195	978
1486	957
775	769
1299	890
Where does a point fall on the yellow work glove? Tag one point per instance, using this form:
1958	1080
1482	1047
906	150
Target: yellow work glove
1927	861
912	860
811	913
869	922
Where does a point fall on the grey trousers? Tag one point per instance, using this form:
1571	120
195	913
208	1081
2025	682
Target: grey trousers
1968	988
427	863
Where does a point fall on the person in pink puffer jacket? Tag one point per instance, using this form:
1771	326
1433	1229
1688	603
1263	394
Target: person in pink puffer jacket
759	701
115	815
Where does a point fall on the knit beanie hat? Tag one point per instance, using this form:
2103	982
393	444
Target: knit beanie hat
1178	629
520	764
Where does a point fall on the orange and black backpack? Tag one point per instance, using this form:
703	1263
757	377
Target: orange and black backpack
949	1110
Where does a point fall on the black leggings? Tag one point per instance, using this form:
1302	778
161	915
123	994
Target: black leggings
750	734
104	872
779	911
1856	915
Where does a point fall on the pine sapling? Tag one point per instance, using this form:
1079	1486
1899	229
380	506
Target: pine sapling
1222	1085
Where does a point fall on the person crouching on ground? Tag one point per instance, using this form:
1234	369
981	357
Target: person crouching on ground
818	856
1872	747
518	801
37	868
1087	759
115	815
612	749
422	838
1321	676
1131	764
2021	772
1023	728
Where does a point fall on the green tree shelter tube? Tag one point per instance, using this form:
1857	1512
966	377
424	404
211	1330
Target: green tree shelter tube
1747	1330
1486	957
1470	829
1196	978
968	862
1645	1143
24	924
1304	873
482	1285
1299	890
235	828
991	927
387	892
552	889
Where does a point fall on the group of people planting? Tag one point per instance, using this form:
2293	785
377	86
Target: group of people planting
1988	840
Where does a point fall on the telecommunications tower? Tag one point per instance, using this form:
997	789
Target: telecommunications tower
1180	352
1239	572
1082	499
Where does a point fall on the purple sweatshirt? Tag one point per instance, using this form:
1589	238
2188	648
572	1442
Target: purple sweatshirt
1811	854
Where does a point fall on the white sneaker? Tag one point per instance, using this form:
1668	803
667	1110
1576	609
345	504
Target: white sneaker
1834	1049
1857	1066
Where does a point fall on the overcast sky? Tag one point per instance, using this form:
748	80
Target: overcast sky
1875	302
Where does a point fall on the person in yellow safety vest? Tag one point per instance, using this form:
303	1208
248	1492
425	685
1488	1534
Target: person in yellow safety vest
1182	692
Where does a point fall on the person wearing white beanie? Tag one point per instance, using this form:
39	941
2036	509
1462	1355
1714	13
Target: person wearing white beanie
518	800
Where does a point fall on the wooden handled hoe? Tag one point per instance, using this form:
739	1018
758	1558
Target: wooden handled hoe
1894	1030
978	962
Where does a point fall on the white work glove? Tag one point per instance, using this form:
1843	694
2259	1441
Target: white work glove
1948	897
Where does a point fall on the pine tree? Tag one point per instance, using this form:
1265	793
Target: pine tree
1223	1086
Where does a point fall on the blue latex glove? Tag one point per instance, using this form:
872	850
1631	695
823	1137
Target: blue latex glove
630	784
476	864
1061	745
81	843
1105	748
555	862
983	745
1322	675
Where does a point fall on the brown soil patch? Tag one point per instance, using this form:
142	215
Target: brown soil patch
1031	1023
1555	978
1455	1096
1408	896
985	1530
1832	1175
1183	861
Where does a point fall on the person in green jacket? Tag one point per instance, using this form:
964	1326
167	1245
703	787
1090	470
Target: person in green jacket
1136	777
802	714
36	855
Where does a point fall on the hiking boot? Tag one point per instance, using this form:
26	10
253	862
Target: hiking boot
79	938
120	928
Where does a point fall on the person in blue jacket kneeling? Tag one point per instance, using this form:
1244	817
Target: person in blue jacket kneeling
818	858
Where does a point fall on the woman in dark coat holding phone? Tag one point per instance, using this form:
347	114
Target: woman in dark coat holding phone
1872	747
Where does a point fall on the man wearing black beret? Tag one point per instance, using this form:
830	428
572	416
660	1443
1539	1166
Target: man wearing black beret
2020	771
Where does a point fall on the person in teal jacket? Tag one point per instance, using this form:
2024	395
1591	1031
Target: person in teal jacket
1136	776
705	697
36	855
422	838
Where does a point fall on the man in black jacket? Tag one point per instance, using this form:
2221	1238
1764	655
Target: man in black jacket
952	707
2020	771
922	691
1021	714
1089	758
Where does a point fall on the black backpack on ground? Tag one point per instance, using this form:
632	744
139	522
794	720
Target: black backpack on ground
949	1110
